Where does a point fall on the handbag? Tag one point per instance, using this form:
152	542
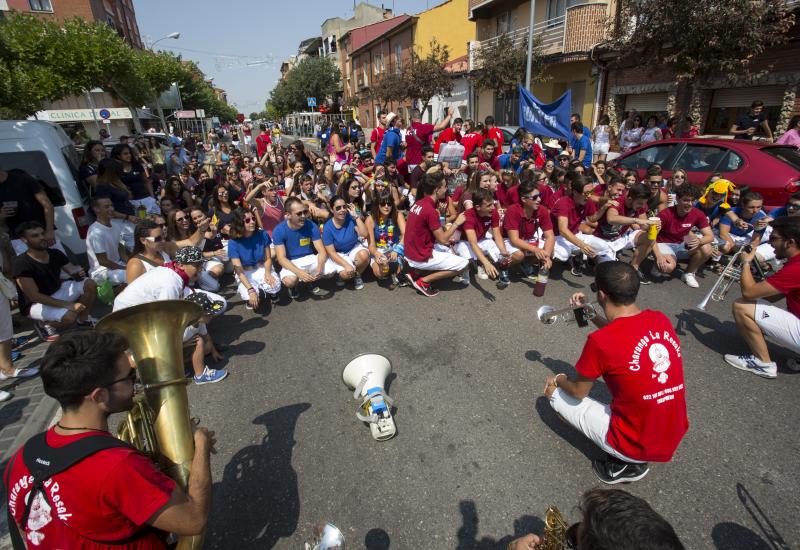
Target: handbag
8	288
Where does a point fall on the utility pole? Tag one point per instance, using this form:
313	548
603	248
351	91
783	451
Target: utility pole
530	46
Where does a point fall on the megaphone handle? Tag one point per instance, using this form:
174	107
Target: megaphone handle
364	418
360	387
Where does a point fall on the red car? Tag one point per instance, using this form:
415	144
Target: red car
772	170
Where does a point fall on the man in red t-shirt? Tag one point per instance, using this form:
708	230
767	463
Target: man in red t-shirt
453	133
568	213
262	141
756	317
676	240
425	240
115	494
481	237
487	155
639	357
472	138
419	134
376	138
529	229
494	133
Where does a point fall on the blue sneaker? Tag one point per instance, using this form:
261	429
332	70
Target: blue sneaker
210	376
15	355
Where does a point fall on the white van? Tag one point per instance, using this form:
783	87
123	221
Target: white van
43	150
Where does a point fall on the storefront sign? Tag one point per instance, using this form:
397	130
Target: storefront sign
82	115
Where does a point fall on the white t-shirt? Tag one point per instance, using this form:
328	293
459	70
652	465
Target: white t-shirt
102	239
157	284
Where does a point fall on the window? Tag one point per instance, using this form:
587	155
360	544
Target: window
332	46
378	63
41	5
656	154
731	162
365	74
38	165
398	58
700	158
558	8
503	23
720	119
789	155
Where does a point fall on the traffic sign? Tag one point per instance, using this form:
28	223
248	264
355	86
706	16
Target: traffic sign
201	113
184	114
312	101
104	113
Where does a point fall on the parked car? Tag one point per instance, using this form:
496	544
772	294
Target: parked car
772	170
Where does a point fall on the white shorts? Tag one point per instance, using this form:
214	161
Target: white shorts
537	241
192	331
778	325
487	246
70	291
674	249
625	241
441	260
588	416
6	326
350	257
21	248
116	276
765	252
257	278
600	148
564	248
308	263
150	204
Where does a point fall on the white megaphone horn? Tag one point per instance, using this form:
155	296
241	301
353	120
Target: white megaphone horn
366	374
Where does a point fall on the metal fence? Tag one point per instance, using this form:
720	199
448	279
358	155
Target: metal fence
303	124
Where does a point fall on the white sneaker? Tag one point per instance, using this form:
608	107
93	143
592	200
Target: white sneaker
751	363
19	373
690	280
4	396
462	277
482	274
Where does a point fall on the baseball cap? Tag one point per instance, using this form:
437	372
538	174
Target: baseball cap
189	255
210	307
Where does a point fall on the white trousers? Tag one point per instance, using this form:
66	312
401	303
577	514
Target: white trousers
257	278
564	248
442	259
487	246
308	264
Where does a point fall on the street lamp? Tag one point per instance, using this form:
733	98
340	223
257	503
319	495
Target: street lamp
172	35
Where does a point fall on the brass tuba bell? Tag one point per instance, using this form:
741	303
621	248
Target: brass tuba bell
159	424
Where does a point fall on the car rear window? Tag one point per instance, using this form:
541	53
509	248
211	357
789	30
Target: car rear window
36	164
789	155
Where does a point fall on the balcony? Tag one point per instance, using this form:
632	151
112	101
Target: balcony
574	32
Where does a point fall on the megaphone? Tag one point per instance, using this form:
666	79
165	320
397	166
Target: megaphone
366	374
326	536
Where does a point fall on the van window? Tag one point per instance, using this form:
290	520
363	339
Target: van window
36	164
74	163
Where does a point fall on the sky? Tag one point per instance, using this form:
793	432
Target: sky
241	43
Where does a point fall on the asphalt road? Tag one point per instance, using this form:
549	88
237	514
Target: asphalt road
479	455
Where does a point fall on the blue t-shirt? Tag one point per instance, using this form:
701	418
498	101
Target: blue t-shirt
343	239
725	220
390	139
249	250
778	212
574	142
298	242
584	144
507	164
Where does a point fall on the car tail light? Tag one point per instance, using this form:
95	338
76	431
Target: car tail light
793	186
82	221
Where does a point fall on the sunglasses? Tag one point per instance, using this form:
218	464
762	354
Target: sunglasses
655	182
793	206
535	197
249	220
302	213
587	193
131	376
340	207
154	239
386	203
183	219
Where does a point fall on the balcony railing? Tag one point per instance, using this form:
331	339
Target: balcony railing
551	32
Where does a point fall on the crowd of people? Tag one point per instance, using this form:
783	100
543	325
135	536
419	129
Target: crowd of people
172	221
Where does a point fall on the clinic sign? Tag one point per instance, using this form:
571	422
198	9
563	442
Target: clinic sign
83	115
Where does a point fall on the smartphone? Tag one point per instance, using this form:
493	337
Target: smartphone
580	317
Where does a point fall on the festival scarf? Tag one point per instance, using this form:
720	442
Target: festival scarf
174	267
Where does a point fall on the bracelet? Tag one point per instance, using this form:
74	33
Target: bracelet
251	289
555	380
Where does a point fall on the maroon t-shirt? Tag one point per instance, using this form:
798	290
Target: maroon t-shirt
423	220
417	135
515	219
478	224
565	207
447	135
675	228
377	137
609	231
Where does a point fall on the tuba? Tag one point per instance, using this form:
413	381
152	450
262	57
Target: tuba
159	423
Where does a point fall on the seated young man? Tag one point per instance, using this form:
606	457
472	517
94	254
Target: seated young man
482	240
622	222
676	241
568	213
103	242
53	304
299	250
639	357
426	241
749	227
171	282
529	230
757	318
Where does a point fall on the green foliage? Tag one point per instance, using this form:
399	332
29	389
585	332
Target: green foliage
427	77
702	38
313	77
196	93
392	87
502	65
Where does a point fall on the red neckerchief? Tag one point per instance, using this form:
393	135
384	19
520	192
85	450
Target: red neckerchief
174	267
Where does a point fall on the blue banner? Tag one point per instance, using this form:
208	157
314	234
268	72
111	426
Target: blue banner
545	119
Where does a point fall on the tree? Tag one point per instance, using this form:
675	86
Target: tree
392	87
426	78
316	77
722	42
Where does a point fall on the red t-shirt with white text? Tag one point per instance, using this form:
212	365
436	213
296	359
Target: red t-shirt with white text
527	227
417	135
479	224
447	135
640	360
470	141
675	228
565	207
423	220
496	134
787	280
107	496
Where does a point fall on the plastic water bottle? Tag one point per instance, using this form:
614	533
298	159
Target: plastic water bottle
541	282
105	290
141	211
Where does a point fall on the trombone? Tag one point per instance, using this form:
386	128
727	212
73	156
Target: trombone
730	275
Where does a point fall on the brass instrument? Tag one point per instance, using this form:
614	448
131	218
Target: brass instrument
730	275
159	424
549	315
554	536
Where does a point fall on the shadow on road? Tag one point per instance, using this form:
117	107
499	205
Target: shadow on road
599	391
729	535
717	338
468	532
569	434
257	502
377	539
